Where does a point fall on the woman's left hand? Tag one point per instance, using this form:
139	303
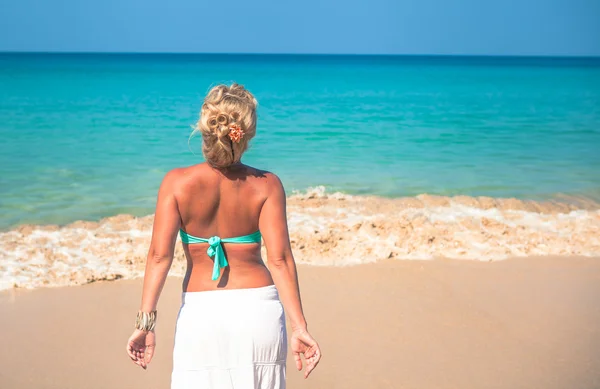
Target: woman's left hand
140	347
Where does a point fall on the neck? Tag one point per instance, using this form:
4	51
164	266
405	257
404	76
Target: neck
233	166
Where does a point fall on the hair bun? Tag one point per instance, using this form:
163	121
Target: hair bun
227	123
222	119
222	132
212	123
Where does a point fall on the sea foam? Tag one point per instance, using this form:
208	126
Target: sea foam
325	230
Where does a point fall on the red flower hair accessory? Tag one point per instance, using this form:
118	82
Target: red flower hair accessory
236	133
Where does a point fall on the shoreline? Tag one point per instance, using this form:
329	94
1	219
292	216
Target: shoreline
519	323
325	230
556	204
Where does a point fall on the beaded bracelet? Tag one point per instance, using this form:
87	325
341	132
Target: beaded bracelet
145	321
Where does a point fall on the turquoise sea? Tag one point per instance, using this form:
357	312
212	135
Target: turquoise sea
91	135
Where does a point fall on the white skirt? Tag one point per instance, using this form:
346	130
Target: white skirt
228	339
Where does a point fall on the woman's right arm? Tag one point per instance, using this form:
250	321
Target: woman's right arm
274	229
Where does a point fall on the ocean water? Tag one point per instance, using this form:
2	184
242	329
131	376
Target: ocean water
88	137
85	136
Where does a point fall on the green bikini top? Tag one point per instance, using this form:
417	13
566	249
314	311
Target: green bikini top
216	250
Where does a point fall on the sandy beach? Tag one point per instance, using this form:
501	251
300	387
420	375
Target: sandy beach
520	323
441	175
326	229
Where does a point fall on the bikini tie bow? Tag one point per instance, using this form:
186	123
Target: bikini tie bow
216	250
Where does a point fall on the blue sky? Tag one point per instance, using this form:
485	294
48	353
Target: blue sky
480	27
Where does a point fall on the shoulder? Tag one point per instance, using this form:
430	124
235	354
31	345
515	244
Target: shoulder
268	182
177	177
181	174
274	185
273	180
269	179
170	179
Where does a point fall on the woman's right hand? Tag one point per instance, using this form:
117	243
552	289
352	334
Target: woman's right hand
302	343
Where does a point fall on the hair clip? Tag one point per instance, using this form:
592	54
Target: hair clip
235	133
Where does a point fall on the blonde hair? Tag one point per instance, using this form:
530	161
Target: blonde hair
224	109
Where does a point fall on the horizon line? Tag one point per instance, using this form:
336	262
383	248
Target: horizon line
573	56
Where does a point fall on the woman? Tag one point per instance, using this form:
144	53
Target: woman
230	330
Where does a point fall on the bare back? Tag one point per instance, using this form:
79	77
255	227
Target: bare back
224	203
221	205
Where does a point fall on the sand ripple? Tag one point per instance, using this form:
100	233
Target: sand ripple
326	229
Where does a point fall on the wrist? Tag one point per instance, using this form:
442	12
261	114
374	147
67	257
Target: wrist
298	327
145	321
144	332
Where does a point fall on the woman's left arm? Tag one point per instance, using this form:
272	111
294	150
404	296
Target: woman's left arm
167	222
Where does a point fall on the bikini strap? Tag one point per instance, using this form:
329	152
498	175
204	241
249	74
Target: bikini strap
215	249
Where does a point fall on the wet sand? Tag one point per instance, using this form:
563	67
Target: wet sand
325	230
519	323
